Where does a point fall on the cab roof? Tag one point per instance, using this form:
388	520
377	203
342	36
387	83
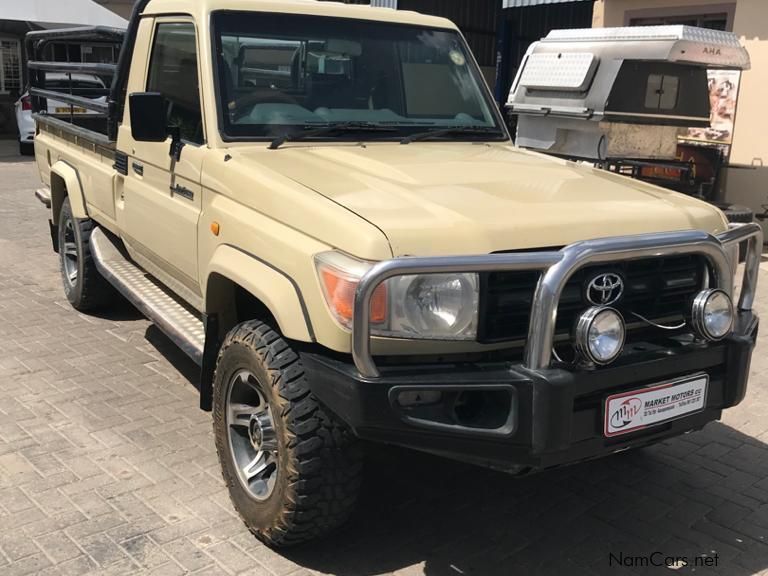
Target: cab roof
308	7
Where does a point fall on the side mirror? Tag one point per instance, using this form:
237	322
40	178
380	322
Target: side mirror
149	122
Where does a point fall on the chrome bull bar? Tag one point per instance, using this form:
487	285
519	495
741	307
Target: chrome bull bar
557	267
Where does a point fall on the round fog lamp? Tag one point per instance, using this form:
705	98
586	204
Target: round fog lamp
600	334
712	314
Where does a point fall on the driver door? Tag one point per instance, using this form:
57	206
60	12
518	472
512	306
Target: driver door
162	197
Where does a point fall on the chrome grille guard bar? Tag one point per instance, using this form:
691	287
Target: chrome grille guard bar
557	267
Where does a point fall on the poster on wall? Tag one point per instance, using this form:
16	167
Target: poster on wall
723	95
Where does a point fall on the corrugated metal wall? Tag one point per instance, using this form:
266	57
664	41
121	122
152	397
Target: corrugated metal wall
494	32
533	23
477	20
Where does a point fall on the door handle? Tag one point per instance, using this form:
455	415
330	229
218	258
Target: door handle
180	190
138	168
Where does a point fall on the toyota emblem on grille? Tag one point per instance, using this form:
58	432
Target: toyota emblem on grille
605	289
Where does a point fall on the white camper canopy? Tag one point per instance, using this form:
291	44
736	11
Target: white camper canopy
580	92
574	72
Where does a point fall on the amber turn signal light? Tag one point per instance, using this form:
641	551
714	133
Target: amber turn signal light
340	293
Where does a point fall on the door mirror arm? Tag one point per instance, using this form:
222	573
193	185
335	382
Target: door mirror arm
176	143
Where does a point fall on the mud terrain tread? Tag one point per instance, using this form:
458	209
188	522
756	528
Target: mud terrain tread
325	460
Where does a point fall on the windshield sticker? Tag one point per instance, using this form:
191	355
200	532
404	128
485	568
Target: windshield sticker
458	58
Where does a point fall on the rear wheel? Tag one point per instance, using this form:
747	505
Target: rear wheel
84	287
292	469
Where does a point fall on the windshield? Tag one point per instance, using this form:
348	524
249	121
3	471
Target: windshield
282	74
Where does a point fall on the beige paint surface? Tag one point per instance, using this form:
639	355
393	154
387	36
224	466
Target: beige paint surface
750	141
275	210
613	12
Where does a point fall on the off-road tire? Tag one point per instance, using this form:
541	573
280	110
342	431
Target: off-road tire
26	149
90	291
319	460
736	213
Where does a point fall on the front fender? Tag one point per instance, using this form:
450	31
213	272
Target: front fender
276	290
66	182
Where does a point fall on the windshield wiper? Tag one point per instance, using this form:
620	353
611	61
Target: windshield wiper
313	130
447	131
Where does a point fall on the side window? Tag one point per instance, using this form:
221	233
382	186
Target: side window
173	73
661	92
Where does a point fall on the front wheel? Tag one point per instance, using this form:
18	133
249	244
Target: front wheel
292	469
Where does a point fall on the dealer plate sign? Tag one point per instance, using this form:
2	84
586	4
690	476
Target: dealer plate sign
632	411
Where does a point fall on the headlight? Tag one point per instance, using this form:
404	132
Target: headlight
712	314
600	334
429	306
439	306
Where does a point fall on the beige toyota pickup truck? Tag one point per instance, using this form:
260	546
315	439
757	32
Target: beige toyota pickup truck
321	205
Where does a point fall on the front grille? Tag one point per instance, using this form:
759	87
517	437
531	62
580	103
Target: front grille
656	288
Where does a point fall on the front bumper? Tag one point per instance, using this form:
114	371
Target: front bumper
540	413
556	414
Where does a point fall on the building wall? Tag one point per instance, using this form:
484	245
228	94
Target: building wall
616	12
12	31
746	182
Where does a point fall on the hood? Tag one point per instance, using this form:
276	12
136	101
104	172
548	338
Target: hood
471	198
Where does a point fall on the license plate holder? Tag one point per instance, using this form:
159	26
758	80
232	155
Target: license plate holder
654	405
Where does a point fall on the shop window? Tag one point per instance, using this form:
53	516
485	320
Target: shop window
718	21
10	66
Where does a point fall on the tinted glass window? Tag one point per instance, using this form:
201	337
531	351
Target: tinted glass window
280	73
173	73
88	87
716	21
661	92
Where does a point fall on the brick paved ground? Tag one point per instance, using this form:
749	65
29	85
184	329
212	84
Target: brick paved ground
107	466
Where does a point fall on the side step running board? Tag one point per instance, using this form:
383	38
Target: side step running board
44	195
180	324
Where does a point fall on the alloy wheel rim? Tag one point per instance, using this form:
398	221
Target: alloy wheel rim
69	251
251	435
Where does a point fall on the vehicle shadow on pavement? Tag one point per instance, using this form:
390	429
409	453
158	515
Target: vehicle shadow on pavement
9	153
703	495
180	362
15	159
119	311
